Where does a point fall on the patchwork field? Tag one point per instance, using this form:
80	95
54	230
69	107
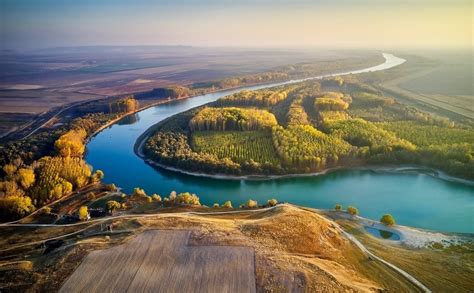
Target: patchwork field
162	261
241	146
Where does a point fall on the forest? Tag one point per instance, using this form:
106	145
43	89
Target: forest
231	118
310	127
34	175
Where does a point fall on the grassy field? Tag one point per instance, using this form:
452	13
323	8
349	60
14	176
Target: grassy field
240	146
444	86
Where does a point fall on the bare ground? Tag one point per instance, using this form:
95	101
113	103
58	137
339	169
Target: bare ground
162	261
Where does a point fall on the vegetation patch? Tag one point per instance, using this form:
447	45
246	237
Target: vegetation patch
240	146
232	118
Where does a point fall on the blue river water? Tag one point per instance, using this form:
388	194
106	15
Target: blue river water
414	199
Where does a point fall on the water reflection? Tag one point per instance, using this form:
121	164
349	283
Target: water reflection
129	119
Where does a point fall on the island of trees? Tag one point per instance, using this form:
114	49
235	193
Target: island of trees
309	127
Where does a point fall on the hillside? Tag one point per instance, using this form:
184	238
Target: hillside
292	249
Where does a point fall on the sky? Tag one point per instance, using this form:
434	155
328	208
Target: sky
28	24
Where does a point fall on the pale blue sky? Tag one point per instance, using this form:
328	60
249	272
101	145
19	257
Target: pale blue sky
366	23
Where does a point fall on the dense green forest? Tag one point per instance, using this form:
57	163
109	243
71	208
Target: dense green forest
309	127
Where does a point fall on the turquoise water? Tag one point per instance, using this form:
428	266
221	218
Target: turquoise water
384	234
413	199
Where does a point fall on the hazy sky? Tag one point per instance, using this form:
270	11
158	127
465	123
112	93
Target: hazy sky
333	23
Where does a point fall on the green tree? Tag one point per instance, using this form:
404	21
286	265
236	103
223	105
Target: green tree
338	207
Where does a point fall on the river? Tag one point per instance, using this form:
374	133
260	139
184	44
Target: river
414	199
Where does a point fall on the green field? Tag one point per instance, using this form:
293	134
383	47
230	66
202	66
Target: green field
426	135
240	146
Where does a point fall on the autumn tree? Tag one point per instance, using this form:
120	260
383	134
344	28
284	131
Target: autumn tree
352	210
272	202
387	220
26	177
139	192
10	188
9	169
71	144
251	204
83	213
227	204
97	176
112	206
14	207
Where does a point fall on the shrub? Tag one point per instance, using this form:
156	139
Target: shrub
46	211
215	205
227	204
156	197
97	176
83	213
110	187
241	206
172	196
352	210
138	192
112	205
90	195
149	199
272	202
252	204
187	198
387	220
338	207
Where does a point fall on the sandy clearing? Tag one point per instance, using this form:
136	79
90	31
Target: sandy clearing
162	261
